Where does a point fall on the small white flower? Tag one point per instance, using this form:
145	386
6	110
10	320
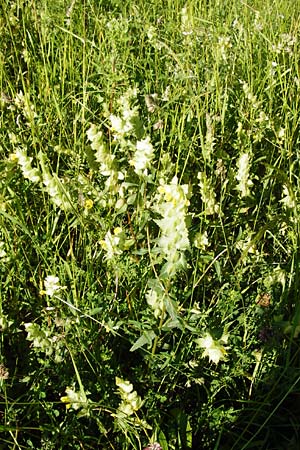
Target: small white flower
119	125
52	285
281	135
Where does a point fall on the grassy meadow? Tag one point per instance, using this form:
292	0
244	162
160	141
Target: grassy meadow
149	227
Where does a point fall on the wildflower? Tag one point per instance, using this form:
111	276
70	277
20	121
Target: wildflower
154	446
224	45
278	275
246	242
3	323
3	253
285	45
201	240
288	199
250	96
257	24
113	243
24	162
186	22
123	124
152	34
22	101
172	203
69	12
131	401
143	156
52	285
4	98
155	299
119	125
73	399
243	175
88	203
213	348
281	135
53	186
158	125
209	139
39	337
208	195
107	165
151	102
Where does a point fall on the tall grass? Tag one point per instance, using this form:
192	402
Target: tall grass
149	227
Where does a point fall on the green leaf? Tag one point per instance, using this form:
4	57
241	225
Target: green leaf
146	339
163	441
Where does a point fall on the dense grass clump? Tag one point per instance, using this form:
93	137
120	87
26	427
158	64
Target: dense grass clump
149	228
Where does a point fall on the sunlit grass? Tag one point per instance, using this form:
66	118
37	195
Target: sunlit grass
149	224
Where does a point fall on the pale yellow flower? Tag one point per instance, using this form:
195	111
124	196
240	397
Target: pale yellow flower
214	349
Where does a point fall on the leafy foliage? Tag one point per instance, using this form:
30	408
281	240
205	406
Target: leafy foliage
149	224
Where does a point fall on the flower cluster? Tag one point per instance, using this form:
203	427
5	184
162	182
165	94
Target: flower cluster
187	24
131	401
142	157
3	254
155	299
108	168
288	198
224	45
172	203
213	348
102	154
22	102
52	285
39	338
50	183
54	186
201	240
286	44
124	123
24	162
208	145
45	342
242	175
208	195
75	399
113	244
4	373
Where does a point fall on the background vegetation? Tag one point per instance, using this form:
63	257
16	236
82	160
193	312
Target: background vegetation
149	228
